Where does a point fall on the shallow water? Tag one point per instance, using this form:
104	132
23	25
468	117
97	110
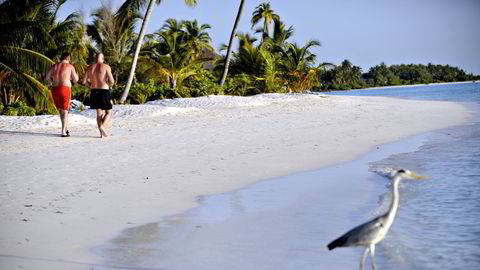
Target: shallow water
282	223
438	225
285	223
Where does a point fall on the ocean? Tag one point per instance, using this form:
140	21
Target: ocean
286	223
438	224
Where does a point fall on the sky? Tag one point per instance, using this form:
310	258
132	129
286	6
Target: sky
366	32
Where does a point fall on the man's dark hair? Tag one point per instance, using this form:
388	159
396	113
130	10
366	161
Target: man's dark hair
65	55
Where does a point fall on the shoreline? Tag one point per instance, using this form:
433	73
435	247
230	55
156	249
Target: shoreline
266	217
399	86
163	164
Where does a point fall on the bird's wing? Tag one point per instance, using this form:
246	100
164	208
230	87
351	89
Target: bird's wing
361	235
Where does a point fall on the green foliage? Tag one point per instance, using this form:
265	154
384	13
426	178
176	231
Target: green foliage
242	85
18	108
117	91
141	92
48	111
114	37
80	92
10	111
203	83
26	111
1	107
164	91
35	38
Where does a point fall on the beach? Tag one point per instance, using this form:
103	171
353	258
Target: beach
62	196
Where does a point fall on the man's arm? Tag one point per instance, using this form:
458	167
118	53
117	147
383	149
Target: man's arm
111	81
74	75
48	77
86	77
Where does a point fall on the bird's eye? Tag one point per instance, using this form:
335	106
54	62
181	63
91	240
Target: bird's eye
401	171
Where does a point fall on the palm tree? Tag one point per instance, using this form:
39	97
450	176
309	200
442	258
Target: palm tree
114	38
196	38
263	11
172	26
133	6
34	38
249	58
297	63
228	57
170	58
296	57
347	73
280	35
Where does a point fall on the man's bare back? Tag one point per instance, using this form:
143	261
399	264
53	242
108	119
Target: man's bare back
62	74
99	75
99	78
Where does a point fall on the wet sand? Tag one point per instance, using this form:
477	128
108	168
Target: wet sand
281	223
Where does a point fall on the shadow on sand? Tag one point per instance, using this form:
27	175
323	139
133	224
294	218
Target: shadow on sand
42	134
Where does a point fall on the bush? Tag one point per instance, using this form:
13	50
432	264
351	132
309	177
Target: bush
17	104
51	110
1	107
10	111
163	91
141	92
80	92
117	91
18	108
26	111
203	83
242	85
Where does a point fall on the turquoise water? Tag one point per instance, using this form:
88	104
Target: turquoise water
438	224
462	92
286	223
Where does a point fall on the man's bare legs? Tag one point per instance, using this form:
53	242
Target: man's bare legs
102	120
64	120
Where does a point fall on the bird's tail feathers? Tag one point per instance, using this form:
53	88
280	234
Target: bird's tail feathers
337	243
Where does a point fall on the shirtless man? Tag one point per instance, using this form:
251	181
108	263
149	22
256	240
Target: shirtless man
60	76
99	78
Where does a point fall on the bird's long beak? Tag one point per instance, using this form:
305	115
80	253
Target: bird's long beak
418	177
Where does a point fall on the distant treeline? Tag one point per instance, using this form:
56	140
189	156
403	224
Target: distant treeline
347	76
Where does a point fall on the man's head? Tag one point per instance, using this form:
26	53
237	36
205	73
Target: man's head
100	57
65	56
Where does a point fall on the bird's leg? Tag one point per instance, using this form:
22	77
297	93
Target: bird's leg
362	260
372	254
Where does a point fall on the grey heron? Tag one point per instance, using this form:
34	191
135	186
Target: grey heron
372	232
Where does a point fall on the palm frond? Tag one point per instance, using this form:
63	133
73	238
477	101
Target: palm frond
24	59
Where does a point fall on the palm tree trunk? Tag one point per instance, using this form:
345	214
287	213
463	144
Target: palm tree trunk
227	59
137	51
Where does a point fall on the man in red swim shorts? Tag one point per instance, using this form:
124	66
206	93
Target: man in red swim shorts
60	76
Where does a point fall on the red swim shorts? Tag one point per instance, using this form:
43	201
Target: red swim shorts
61	96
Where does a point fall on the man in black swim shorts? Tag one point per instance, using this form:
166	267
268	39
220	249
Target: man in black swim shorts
99	78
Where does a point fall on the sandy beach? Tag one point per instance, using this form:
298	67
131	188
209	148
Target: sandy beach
62	196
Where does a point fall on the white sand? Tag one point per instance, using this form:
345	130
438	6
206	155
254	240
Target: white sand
61	196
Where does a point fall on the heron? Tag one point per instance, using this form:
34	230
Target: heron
372	232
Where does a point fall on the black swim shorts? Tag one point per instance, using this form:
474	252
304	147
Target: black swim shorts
100	99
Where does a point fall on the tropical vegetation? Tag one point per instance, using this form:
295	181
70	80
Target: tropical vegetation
176	59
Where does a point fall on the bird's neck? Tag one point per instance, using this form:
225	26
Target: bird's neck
392	211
